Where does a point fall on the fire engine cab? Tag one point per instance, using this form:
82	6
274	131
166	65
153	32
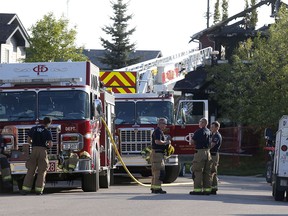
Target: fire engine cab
69	93
143	93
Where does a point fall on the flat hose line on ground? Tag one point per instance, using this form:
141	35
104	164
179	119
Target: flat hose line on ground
127	170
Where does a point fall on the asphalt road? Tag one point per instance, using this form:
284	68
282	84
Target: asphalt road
237	196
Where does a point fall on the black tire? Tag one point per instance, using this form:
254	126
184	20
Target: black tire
105	179
20	183
269	169
278	195
1	185
5	189
171	173
90	182
146	173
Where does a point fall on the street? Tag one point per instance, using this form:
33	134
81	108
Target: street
236	196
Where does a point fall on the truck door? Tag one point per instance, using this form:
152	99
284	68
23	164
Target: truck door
281	158
188	114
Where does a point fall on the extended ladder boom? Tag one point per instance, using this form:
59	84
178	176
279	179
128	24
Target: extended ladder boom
193	57
156	74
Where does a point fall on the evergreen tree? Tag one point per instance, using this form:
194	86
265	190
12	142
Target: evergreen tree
224	9
254	16
119	50
216	12
51	40
247	15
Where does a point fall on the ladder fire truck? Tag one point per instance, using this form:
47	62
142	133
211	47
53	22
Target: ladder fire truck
143	93
69	93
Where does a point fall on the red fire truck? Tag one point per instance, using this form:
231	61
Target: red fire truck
142	96
69	93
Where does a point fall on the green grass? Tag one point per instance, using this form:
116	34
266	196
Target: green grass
239	165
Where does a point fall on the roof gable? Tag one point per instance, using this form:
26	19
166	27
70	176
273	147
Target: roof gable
10	25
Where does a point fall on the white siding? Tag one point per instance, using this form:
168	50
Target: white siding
10	53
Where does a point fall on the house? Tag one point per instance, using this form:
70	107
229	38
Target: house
144	55
223	37
13	39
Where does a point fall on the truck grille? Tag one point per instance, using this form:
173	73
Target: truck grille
23	133
135	140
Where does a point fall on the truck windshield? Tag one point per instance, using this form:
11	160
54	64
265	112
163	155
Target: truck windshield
17	106
125	113
143	112
64	105
147	112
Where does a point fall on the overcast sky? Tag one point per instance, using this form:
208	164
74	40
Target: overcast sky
164	25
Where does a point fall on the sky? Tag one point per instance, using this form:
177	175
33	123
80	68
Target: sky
164	25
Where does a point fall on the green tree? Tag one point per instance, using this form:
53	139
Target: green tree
216	12
224	9
254	89
252	17
119	50
51	40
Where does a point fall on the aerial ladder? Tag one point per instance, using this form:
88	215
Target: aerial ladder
158	74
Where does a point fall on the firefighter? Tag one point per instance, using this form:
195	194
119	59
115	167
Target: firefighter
5	166
216	142
202	161
157	156
41	139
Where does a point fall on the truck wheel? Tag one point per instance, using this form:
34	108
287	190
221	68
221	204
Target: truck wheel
4	188
269	168
90	182
105	179
171	173
146	173
278	195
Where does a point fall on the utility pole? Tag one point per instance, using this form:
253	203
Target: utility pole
67	5
208	13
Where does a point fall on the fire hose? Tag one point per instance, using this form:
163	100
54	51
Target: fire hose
125	167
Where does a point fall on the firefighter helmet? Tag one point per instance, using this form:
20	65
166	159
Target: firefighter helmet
84	155
170	150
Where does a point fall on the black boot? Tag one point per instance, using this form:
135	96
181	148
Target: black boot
158	191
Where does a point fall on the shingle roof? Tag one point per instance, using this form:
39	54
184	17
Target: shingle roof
5	18
193	81
223	23
144	55
10	25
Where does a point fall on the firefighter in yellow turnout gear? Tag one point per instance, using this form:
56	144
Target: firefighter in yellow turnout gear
5	167
202	161
157	156
41	139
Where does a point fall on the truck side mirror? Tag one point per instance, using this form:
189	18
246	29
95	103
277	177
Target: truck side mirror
98	111
268	134
183	115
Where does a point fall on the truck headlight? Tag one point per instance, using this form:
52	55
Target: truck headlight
9	141
73	142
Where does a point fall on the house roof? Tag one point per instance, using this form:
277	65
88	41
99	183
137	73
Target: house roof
11	26
144	55
193	82
223	23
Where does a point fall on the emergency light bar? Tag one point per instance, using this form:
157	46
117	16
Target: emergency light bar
40	81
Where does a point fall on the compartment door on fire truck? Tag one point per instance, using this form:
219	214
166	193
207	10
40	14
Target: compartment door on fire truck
188	114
